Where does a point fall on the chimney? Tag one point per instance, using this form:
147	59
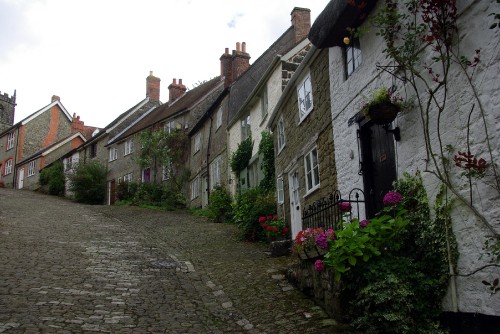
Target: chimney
226	68
153	87
76	124
233	66
55	98
301	22
175	90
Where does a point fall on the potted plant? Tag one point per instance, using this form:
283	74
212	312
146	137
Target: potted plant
312	243
383	106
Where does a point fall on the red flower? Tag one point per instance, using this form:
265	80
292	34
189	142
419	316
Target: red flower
269	228
269	217
264	225
275	218
275	229
262	219
285	230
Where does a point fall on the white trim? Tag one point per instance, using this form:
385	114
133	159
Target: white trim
131	125
308	158
139	106
65	141
307	95
44	109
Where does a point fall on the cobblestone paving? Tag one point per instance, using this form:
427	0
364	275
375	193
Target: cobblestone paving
71	268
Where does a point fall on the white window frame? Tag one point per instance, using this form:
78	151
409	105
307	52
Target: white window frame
215	172
218	122
264	102
352	57
31	168
127	177
113	153
280	190
10	140
129	147
246	127
281	134
166	172
195	188
197	143
305	97
8	167
169	127
311	170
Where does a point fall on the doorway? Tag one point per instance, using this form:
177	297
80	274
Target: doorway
295	211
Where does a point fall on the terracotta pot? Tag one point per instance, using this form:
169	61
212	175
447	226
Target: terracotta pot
383	113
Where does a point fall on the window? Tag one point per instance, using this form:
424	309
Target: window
8	167
264	102
246	130
93	150
127	177
31	169
215	168
195	188
281	134
10	140
312	170
304	93
197	142
166	171
352	56
253	174
279	188
169	127
129	147
113	153
218	122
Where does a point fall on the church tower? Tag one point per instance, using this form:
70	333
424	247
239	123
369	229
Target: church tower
7	109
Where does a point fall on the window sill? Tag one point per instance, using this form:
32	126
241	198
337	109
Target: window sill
305	116
281	149
311	191
264	118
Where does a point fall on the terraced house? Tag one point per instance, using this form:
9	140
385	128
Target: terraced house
24	145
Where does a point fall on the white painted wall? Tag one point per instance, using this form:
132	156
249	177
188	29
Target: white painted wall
346	101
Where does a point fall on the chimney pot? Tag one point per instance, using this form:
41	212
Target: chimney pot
226	52
55	98
238	46
174	81
180	81
244	47
151	73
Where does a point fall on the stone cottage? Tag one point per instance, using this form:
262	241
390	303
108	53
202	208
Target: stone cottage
302	131
370	156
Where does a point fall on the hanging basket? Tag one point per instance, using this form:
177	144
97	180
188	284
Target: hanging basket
383	113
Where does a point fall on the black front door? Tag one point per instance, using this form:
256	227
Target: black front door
378	164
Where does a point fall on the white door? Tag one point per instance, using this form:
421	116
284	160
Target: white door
204	192
295	211
20	184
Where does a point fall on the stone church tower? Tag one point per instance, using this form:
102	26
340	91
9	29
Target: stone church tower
7	108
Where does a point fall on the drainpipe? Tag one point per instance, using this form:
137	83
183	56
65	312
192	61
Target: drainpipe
208	157
14	183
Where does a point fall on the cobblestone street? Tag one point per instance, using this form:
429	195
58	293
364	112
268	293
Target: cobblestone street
70	268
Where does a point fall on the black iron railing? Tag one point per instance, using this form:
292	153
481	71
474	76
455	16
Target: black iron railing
327	213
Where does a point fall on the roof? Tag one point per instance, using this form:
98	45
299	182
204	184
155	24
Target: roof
145	104
209	111
331	25
46	150
245	84
183	104
36	114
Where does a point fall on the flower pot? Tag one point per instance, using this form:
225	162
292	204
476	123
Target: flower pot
312	253
383	113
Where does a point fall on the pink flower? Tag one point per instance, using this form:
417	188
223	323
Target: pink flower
392	197
319	266
364	223
345	206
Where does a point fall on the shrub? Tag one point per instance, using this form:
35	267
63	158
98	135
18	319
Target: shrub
247	209
219	207
163	195
52	178
88	183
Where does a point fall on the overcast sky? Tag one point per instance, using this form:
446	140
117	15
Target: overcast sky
96	54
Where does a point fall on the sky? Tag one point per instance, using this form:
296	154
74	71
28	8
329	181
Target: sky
96	54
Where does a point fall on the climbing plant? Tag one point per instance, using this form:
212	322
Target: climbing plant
266	151
241	157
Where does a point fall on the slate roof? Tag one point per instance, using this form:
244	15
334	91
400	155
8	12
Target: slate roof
244	85
206	93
